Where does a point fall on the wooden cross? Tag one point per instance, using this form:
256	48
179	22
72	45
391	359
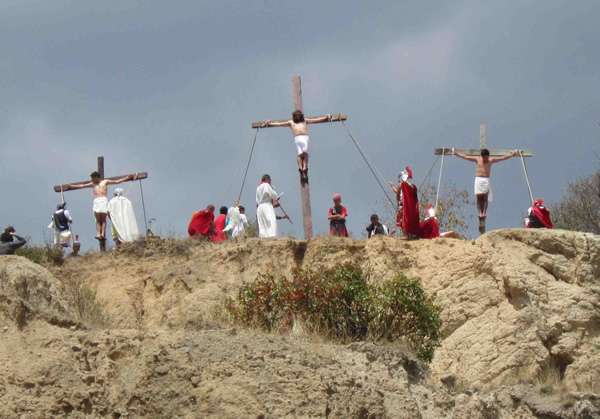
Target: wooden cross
304	186
476	152
66	186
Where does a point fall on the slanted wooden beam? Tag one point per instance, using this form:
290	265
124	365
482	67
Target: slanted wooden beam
334	118
477	152
65	186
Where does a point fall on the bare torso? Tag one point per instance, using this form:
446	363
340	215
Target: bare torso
484	167
299	129
100	189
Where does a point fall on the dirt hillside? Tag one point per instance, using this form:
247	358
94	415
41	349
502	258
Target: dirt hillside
520	311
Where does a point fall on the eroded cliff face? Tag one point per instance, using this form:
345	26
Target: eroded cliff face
514	303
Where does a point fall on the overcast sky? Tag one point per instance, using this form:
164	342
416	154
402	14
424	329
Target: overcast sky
172	88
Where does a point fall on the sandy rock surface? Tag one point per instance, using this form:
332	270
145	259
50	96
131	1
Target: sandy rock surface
515	303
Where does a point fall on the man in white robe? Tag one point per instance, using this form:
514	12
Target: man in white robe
122	218
236	220
265	213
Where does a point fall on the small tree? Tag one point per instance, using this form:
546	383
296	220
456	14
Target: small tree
580	208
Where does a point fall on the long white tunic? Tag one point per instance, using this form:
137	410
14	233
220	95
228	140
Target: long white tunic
265	213
123	218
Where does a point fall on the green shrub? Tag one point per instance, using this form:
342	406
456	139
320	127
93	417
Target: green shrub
402	310
341	303
42	255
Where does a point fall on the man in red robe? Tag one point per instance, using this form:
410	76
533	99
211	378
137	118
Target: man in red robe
429	226
220	226
408	205
202	223
539	216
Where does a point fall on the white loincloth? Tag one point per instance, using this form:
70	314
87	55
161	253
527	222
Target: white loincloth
123	219
62	238
100	204
301	142
483	186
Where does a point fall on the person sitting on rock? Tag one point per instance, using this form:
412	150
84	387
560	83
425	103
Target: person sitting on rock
539	216
376	228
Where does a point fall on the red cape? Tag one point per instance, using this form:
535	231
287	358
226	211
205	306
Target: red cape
219	226
429	228
543	215
200	224
410	209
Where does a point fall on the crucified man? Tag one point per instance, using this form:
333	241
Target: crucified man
483	187
300	131
100	206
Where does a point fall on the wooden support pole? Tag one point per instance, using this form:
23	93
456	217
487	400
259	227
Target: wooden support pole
101	166
482	136
304	184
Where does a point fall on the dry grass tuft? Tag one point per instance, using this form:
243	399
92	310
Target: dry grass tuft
87	307
550	380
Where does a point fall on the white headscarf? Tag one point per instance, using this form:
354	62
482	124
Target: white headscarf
119	192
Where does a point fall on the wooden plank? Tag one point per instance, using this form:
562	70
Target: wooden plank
297	87
477	152
65	186
482	136
334	118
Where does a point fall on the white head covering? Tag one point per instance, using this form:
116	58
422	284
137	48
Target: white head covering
119	192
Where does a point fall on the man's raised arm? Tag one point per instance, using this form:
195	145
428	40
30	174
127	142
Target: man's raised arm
319	119
114	182
85	185
464	156
497	159
278	124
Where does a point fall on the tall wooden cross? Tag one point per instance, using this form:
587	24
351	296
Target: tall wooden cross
66	186
304	185
476	152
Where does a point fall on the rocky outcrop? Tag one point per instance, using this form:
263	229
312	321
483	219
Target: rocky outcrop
530	300
515	304
28	291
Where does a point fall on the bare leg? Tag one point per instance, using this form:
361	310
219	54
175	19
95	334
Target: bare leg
98	216
481	203
299	160
485	204
305	162
103	225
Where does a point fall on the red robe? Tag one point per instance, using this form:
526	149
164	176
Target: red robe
542	214
200	224
429	228
410	209
219	226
